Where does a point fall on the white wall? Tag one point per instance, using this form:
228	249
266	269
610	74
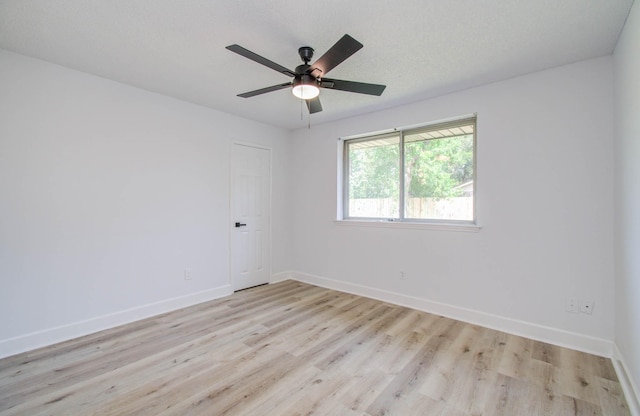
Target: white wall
107	193
627	196
545	202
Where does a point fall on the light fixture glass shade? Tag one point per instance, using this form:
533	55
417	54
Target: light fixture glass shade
305	91
305	87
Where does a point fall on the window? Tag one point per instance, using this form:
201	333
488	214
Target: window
423	174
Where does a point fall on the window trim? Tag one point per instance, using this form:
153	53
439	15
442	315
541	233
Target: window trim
401	221
440	226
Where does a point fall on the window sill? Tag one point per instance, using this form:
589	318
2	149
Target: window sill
472	228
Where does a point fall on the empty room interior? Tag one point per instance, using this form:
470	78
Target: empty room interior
194	219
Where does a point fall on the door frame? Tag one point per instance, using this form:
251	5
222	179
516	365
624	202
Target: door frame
231	220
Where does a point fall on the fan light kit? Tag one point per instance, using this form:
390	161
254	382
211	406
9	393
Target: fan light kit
308	79
305	87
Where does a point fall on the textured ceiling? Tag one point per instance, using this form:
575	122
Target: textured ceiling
418	48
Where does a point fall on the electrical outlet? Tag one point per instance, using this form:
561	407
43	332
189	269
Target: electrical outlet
586	306
402	275
187	274
573	305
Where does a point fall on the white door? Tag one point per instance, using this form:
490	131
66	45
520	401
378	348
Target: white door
250	211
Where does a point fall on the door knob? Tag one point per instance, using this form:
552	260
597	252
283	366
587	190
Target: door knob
240	225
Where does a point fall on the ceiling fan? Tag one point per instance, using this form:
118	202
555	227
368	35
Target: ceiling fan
308	79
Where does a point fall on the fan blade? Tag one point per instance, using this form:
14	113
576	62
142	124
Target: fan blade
343	49
261	60
314	105
352	86
265	90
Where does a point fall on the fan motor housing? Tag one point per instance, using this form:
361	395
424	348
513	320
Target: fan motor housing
305	80
302	69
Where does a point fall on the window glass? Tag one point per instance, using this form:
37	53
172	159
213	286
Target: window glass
423	174
438	174
373	169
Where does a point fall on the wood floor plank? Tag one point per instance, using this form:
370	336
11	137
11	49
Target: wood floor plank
324	329
128	383
471	380
516	357
296	390
295	349
611	397
110	359
412	376
320	396
363	344
369	386
228	398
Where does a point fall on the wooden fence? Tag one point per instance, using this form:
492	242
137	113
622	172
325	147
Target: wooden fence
455	208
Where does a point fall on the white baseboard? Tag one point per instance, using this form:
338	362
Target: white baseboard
630	388
584	343
280	277
66	332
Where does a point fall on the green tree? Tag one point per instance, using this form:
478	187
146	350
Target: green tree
374	171
434	168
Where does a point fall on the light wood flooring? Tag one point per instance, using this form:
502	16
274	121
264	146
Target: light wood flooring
295	349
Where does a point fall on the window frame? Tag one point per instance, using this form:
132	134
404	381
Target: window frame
343	182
